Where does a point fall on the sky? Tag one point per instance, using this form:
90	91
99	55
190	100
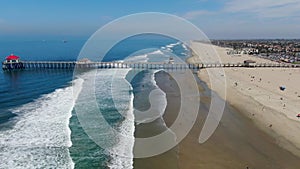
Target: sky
218	19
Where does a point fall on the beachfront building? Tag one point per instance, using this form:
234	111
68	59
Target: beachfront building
171	60
249	63
84	61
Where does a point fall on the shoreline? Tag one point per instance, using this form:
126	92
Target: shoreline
259	98
236	143
167	159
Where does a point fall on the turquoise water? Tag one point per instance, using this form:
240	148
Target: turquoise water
39	127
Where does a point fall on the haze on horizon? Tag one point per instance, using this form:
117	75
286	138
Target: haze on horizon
218	19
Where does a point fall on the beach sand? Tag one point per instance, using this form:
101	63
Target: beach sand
237	142
256	93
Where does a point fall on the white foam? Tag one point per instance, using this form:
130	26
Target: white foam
162	97
164	104
172	45
138	58
184	53
41	136
112	84
158	101
169	50
157	52
184	47
123	151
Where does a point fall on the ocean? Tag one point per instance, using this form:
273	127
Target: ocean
39	123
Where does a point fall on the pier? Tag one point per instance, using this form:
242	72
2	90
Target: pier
134	65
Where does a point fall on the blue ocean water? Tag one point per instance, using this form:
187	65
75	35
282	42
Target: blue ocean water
39	127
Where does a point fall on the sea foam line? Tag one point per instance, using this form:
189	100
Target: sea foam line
123	151
41	136
105	85
165	102
157	99
163	95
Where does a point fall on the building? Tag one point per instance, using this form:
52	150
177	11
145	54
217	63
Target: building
12	59
12	62
249	63
171	60
84	60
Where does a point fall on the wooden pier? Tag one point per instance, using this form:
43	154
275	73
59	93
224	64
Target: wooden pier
134	65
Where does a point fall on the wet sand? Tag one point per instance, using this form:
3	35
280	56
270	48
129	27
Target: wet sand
168	159
256	92
237	142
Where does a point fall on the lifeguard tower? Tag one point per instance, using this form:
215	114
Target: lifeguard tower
171	60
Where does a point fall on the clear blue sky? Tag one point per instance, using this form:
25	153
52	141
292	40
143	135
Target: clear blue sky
217	18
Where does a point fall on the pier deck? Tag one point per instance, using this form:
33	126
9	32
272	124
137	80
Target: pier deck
136	65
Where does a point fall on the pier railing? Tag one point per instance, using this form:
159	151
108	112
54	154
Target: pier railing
134	65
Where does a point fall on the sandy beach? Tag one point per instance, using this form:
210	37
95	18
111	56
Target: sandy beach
237	143
256	93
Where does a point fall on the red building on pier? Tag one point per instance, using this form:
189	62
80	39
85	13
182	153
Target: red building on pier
12	62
